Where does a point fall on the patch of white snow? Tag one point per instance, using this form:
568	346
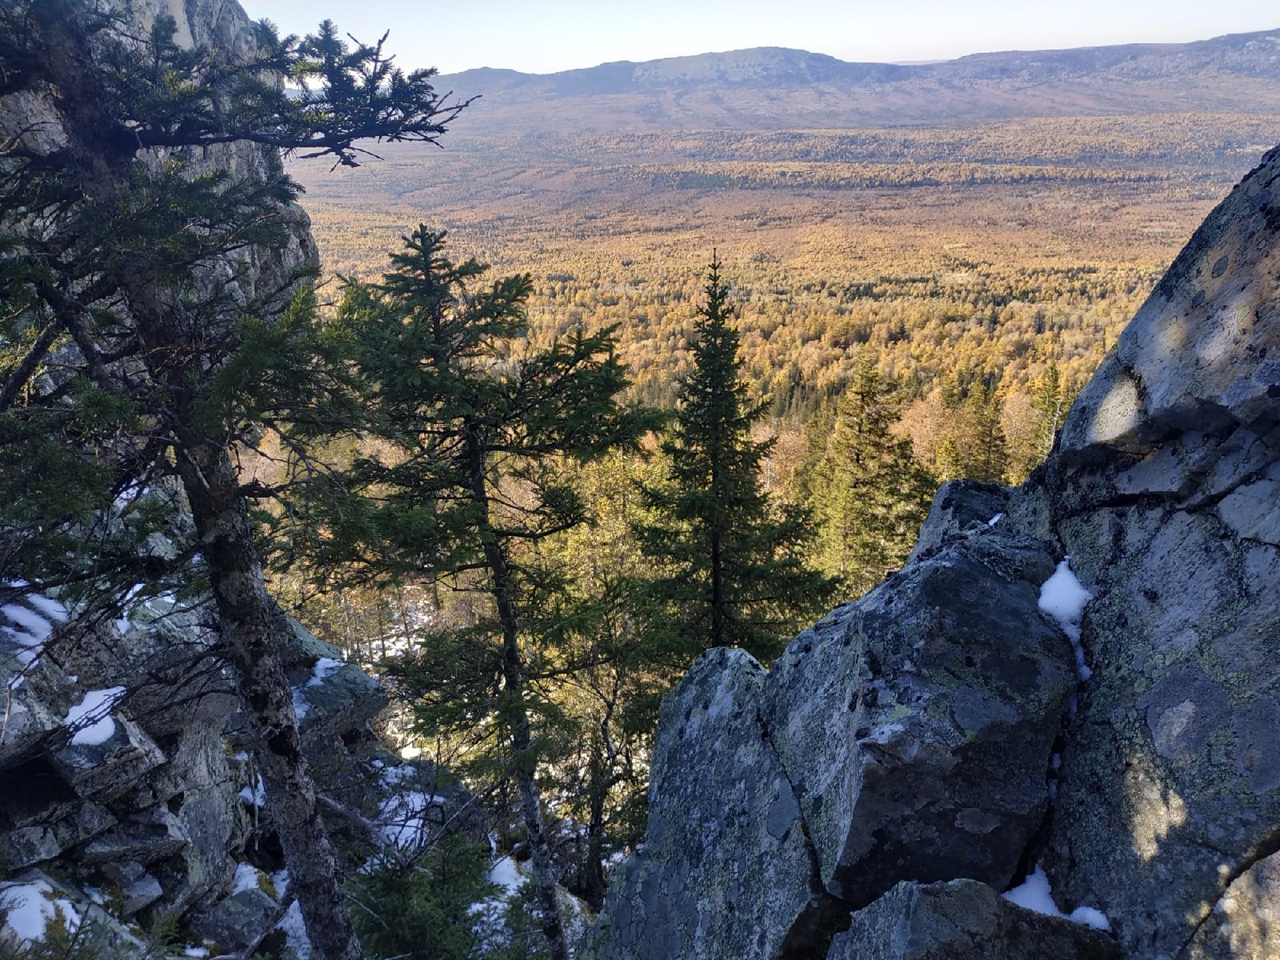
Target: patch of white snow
30	908
301	705
255	796
325	668
91	717
996	519
1064	598
506	874
247	877
295	932
404	818
29	623
1090	917
1034	894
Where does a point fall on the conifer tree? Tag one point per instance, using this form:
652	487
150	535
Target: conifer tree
474	423
1050	405
988	454
143	341
731	564
868	493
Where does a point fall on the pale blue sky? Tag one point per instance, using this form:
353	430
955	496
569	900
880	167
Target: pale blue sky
543	36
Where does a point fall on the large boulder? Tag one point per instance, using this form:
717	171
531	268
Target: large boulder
907	736
1163	489
918	723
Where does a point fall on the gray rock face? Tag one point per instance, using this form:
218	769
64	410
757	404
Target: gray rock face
1245	922
1163	491
963	920
960	506
917	724
725	870
906	736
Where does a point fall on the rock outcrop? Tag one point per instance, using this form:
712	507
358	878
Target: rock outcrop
1165	491
941	737
905	737
734	832
151	796
963	920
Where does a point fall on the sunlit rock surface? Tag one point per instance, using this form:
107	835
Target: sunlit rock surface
1163	490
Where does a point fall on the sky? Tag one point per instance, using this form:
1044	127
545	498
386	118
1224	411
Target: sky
544	36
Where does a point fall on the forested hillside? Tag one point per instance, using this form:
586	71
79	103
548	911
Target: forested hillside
1008	254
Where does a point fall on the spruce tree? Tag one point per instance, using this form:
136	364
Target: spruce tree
868	493
1050	405
731	566
464	484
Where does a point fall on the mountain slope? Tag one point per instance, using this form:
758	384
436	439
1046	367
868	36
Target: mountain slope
773	87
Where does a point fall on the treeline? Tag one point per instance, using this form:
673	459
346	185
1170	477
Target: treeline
749	175
1206	141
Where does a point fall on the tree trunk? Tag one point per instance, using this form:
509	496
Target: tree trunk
513	687
254	630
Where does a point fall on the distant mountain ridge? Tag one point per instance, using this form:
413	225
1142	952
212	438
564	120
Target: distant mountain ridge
1232	73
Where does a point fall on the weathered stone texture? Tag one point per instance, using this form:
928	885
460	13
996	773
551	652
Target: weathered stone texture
917	724
1162	490
963	920
725	869
1245	922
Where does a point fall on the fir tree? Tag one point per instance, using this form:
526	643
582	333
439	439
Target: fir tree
143	344
1050	407
868	493
475	423
730	560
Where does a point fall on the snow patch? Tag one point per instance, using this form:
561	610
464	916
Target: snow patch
325	668
1034	894
996	519
29	622
31	906
507	875
247	877
404	818
91	717
255	796
295	931
1064	598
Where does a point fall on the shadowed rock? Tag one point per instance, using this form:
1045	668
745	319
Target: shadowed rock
917	724
1163	489
963	920
725	869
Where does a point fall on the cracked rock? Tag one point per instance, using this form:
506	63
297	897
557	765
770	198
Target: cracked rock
918	723
963	920
725	870
1170	780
